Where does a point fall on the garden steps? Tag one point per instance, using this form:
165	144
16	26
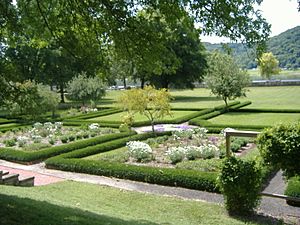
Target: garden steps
14	179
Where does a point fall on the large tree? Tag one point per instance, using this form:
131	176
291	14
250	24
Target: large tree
87	29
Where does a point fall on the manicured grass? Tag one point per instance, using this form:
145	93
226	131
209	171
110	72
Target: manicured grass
8	125
81	203
116	155
267	119
138	117
283	75
282	97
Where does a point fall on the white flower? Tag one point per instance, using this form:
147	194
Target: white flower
94	126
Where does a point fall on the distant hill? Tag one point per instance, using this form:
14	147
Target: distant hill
285	46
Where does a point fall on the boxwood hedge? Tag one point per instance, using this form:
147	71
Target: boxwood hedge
163	176
29	157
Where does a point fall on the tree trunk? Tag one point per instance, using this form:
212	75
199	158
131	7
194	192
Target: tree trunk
124	82
152	124
62	96
142	82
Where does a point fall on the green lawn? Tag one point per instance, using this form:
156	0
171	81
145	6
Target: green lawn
236	118
283	75
119	116
285	97
80	203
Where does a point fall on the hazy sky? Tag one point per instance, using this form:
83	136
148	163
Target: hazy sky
281	14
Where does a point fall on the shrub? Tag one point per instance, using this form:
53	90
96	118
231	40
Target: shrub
240	183
209	151
176	154
140	151
10	142
293	190
280	146
64	139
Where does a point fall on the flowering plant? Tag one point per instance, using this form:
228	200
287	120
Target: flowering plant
140	151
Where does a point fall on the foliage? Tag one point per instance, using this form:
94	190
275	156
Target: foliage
280	145
163	176
268	65
293	190
225	78
240	183
284	46
23	156
140	151
84	89
33	100
152	103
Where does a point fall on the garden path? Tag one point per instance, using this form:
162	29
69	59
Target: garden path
269	206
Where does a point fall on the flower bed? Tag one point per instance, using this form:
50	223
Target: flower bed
50	134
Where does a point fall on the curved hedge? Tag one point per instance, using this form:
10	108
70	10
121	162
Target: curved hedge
24	156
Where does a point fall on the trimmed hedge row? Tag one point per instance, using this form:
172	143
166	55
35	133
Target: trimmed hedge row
223	107
181	119
293	190
81	122
209	125
163	176
23	156
6	121
95	114
238	106
205	181
262	110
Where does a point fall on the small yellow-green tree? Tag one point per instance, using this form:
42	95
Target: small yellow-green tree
152	103
268	65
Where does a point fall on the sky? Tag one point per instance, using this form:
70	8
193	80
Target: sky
281	14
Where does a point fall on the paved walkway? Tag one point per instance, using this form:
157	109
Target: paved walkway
269	206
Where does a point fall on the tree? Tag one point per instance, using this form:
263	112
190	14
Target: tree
33	100
225	78
84	89
268	65
87	29
152	103
183	62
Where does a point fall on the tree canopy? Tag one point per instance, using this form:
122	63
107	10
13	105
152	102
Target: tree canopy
268	65
225	78
55	40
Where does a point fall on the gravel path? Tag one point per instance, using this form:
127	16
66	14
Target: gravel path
269	206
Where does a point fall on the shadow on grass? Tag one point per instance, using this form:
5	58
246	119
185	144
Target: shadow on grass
25	211
194	99
258	219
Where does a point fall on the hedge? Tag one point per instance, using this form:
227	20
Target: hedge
265	110
210	126
205	181
95	114
6	121
240	105
293	190
223	107
81	122
23	156
181	119
164	176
